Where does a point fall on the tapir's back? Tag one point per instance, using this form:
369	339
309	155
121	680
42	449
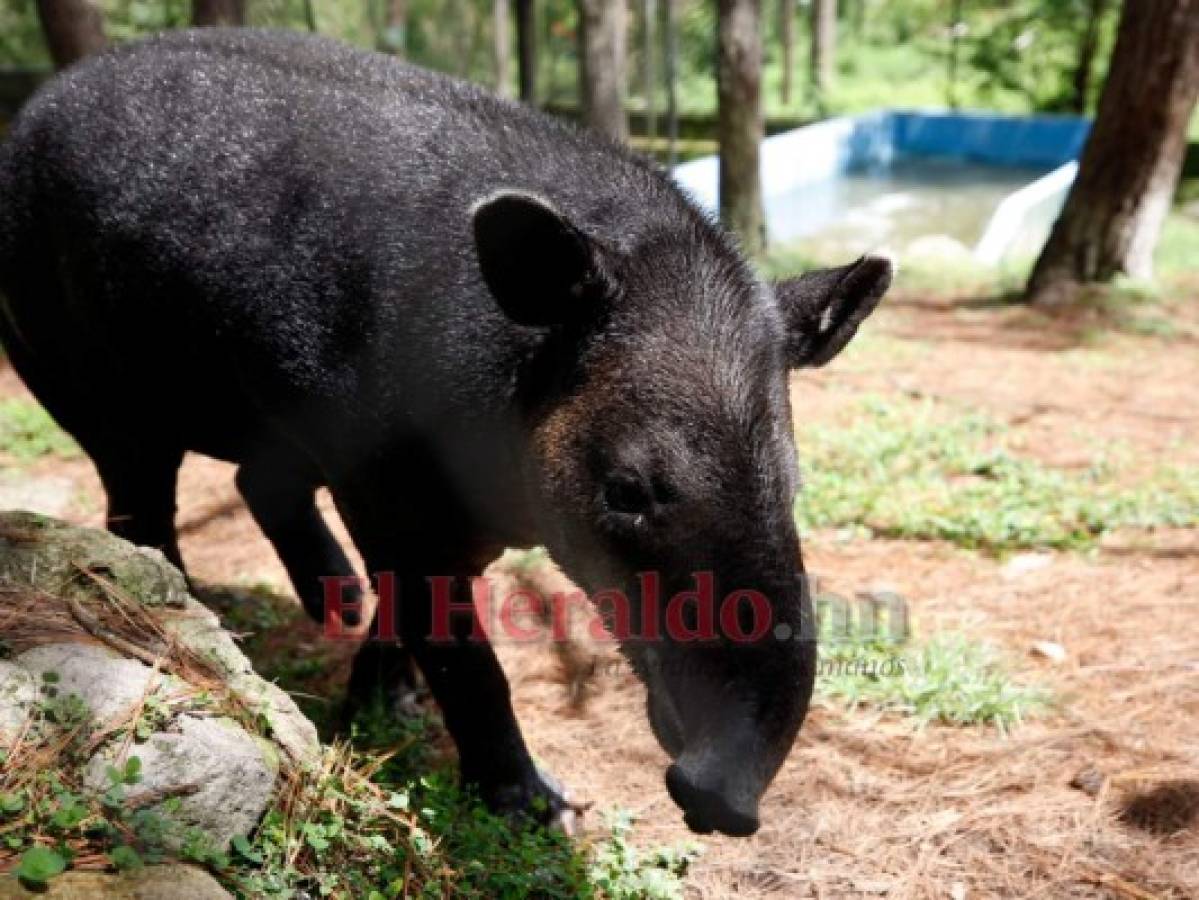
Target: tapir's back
286	207
238	132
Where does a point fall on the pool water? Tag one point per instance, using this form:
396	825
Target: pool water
938	205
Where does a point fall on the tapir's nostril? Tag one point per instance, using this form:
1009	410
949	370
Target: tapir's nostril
707	808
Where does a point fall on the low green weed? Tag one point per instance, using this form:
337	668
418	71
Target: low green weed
912	469
949	680
27	432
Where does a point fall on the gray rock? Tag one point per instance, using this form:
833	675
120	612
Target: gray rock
17	695
224	777
48	555
201	630
109	684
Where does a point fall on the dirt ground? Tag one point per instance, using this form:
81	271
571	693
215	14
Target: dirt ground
1100	798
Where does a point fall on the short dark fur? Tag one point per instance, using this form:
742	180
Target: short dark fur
479	327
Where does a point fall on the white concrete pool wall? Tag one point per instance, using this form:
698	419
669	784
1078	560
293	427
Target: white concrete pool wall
824	151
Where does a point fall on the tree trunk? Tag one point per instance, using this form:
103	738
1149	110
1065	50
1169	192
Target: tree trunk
393	36
824	46
671	65
858	18
1133	158
73	29
787	38
1088	44
649	66
740	127
218	12
956	31
526	50
602	66
502	36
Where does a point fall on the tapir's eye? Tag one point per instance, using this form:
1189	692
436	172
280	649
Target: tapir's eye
627	494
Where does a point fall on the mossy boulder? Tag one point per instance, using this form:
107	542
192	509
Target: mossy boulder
107	659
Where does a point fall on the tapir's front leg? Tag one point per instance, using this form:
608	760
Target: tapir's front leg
464	676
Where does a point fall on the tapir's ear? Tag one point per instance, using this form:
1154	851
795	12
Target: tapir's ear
541	269
824	308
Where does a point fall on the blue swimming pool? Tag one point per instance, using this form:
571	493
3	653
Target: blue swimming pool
989	185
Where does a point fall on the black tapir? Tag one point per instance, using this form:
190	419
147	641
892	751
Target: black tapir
478	326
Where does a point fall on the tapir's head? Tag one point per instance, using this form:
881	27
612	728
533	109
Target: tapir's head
663	458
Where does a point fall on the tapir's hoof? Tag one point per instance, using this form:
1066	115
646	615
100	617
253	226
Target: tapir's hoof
541	798
568	817
408	702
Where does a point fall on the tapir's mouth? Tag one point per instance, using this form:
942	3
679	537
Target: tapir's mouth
712	806
715	792
727	714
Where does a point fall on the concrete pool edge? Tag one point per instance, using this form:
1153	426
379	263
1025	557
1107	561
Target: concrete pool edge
828	149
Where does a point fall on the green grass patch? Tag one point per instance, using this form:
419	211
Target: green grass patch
949	680
912	469
449	846
27	433
868	662
1177	251
348	836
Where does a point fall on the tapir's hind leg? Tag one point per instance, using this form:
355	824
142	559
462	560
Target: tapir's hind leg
140	482
281	495
137	465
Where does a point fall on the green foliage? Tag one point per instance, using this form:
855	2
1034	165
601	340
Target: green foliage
44	803
126	20
950	680
66	711
620	872
39	864
27	432
124	858
382	819
21	41
1017	56
412	831
1029	49
130	774
1014	56
909	469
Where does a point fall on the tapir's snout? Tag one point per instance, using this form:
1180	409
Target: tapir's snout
724	756
728	715
714	797
719	777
